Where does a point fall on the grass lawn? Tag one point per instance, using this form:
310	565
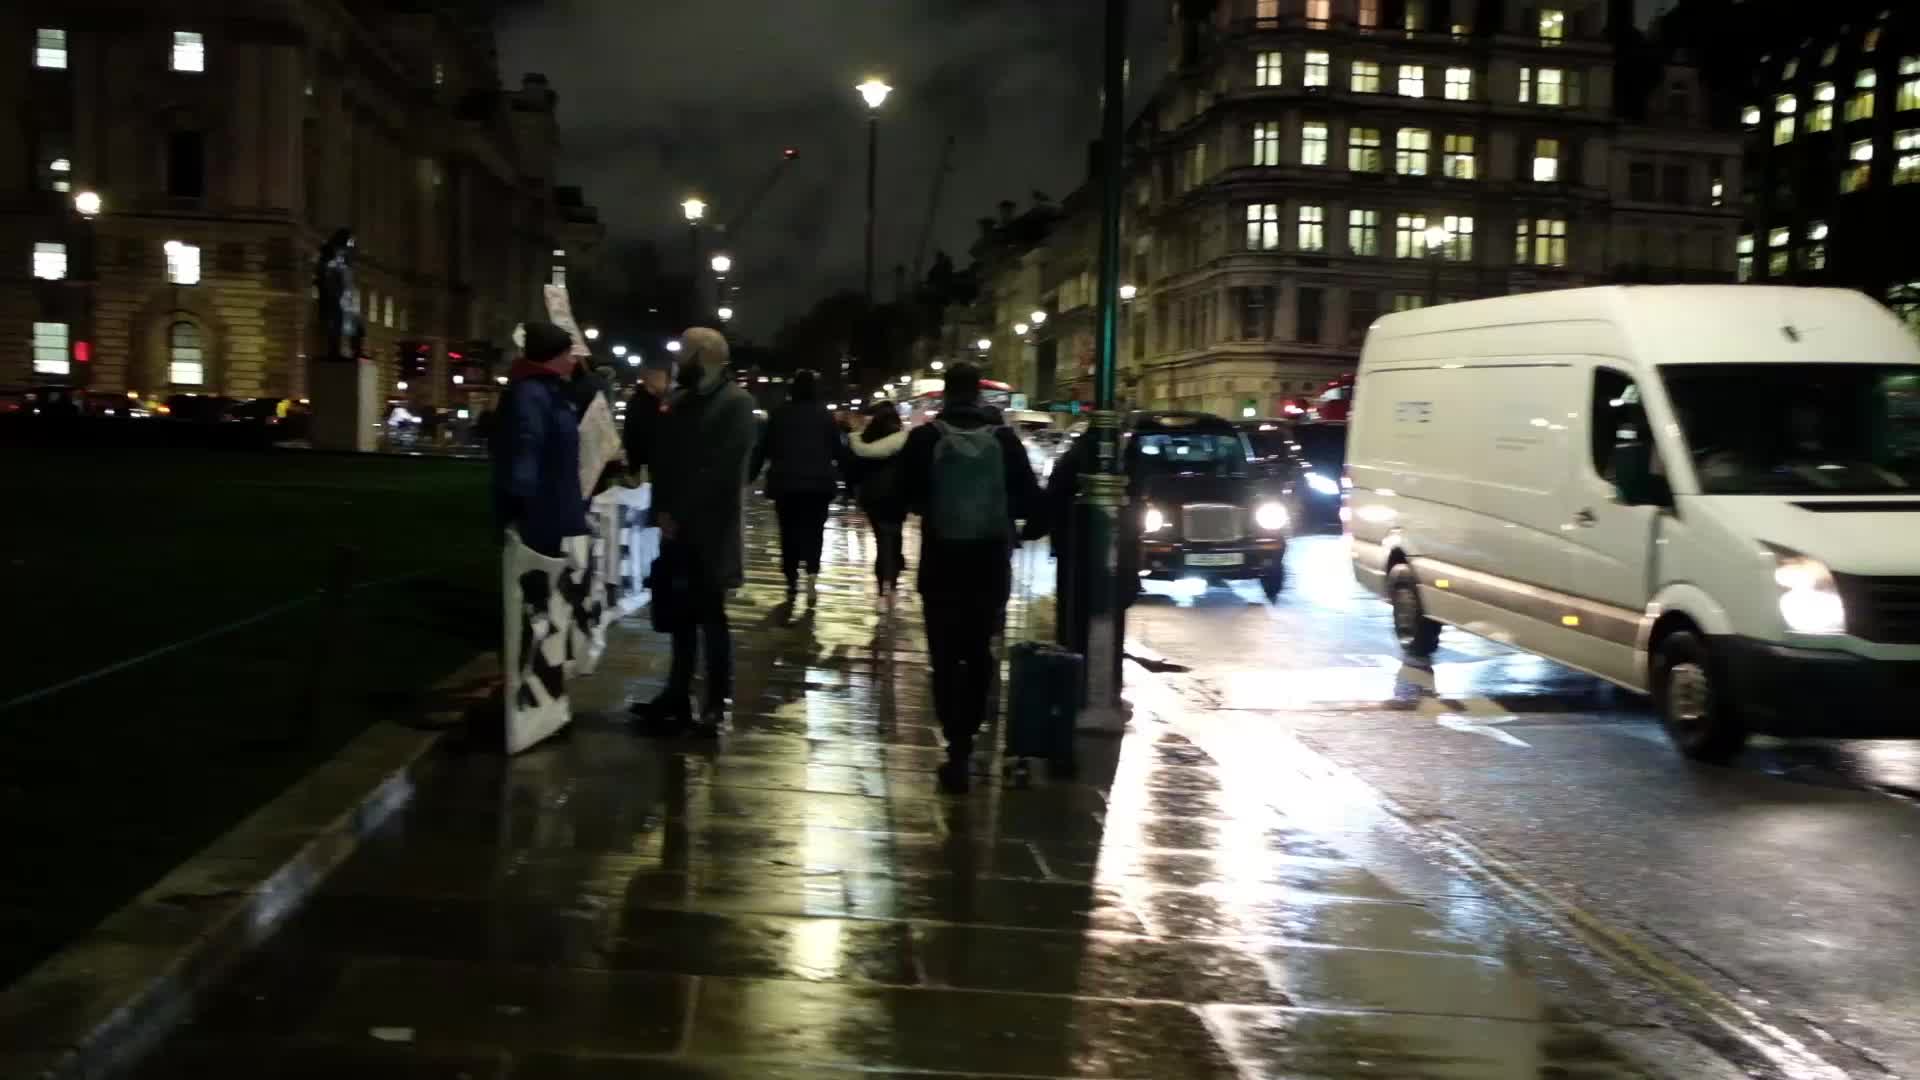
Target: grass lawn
106	556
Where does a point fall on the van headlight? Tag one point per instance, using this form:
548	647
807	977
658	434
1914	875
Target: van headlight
1152	520
1322	484
1270	516
1809	600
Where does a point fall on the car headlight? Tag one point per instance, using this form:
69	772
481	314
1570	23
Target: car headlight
1271	516
1152	520
1809	601
1322	485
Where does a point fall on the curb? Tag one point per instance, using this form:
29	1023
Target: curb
110	995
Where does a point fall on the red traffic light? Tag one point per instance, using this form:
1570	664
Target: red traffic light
82	352
790	153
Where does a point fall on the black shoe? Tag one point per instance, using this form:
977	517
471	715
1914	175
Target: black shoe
666	715
954	777
715	721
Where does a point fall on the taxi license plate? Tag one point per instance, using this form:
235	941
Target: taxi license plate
1228	558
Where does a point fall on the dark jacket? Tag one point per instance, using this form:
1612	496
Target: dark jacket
536	464
801	449
874	473
699	467
642	427
963	567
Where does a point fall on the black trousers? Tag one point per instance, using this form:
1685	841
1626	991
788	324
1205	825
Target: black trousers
960	631
889	554
803	524
709	622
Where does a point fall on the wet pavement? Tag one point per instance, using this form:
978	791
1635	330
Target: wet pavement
797	901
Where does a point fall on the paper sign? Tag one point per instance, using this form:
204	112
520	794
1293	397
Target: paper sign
560	314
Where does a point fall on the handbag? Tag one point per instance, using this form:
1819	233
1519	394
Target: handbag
671	580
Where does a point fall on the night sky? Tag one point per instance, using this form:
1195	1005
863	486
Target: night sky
659	98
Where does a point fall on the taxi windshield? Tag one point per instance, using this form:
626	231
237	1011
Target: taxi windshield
1190	454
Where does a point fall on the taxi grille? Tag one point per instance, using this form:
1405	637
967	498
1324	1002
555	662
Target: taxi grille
1210	522
1882	609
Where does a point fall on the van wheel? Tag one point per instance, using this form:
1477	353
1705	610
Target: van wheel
1694	706
1418	635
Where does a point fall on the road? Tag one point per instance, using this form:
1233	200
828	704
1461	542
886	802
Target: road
1784	886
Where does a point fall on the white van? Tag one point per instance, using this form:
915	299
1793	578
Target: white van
1710	494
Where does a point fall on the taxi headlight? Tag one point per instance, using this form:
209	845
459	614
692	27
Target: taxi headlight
1270	516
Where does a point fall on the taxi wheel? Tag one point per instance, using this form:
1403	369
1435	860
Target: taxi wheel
1419	636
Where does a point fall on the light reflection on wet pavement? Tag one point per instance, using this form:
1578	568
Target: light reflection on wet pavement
797	901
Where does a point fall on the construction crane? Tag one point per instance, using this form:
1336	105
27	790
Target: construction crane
787	157
933	209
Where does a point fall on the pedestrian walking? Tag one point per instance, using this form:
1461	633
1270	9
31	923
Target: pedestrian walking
968	478
699	466
643	411
801	450
875	478
535	445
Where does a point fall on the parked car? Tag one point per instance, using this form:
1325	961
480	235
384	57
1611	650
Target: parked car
1709	494
286	417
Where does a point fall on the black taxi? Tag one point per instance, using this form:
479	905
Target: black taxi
1198	509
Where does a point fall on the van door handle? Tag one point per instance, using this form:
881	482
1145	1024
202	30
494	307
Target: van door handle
1585	518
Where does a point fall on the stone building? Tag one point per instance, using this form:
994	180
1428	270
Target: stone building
225	143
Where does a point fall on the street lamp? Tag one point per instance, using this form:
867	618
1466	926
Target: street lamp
1020	328
938	365
1128	292
1038	317
634	360
874	92
725	313
87	203
593	333
619	350
695	208
983	344
722	263
673	346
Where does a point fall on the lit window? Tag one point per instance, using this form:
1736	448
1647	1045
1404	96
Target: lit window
1908	96
1410	236
1363	232
1318	64
49	48
1783	131
189	51
1871	40
1860	105
1313	228
1749	116
50	349
186	357
1553	26
1785	104
1743	258
1404	301
183	263
1792	68
1820	116
1266	69
1831	53
1777	254
1319	12
1368	14
1363	149
1416	15
1815	255
1906	163
1458	246
1263	226
58	174
49	261
1546	160
1267	9
439	73
1456	162
1541	242
1553	86
1365	78
1410	146
1413	80
1459	84
1860	168
1313	143
1717	193
387	313
1266	144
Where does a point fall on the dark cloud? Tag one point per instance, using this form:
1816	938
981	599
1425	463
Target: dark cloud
662	97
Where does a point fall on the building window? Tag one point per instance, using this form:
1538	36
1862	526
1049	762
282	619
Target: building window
1640	181
1820	116
1266	144
1749	116
1860	105
1717	192
1365	77
1313	228
1906	162
1406	301
1783	131
49	261
1313	143
1785	105
1363	232
50	349
1266	69
1546	161
189	51
1791	69
1318	65
1362	309
1319	12
57	174
186	358
1363	149
1255	305
1541	242
1410	147
49	48
1458	246
1553	86
1263	226
1674	186
1413	80
1266	10
1743	258
1859	166
1415	18
1410	236
1815	255
1777	253
1367	15
1909	93
1553	26
183	263
187	165
1456	160
1829	55
387	313
1311	311
439	76
1459	84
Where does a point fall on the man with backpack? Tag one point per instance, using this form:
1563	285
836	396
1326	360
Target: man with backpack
967	477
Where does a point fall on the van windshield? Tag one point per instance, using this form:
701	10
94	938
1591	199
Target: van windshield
1799	429
1197	454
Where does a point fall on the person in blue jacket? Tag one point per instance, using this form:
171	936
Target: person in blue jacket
535	445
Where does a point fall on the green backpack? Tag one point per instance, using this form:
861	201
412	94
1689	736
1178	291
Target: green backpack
968	496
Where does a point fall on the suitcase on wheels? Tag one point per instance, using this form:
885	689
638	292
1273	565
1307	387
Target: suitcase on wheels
1044	692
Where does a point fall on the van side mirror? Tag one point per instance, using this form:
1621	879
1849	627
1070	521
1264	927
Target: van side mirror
1634	482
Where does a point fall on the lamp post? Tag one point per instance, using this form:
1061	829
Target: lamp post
1436	246
874	92
694	209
